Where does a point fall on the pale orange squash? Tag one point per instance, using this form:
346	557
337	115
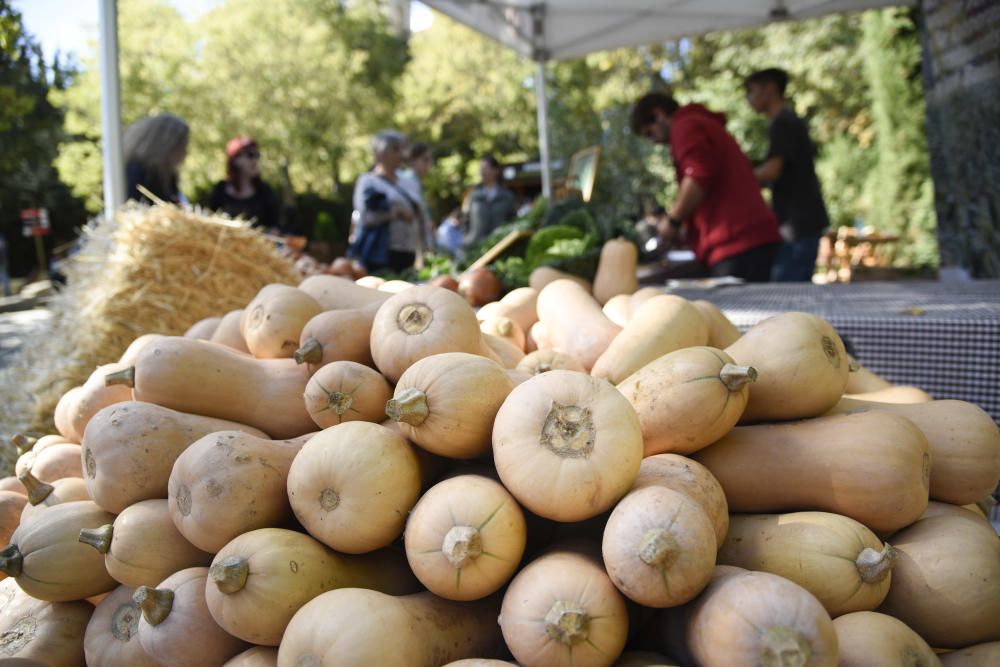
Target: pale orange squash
518	304
11	483
61	416
446	403
693	480
541	277
541	361
95	395
641	296
721	332
203	328
352	485
503	327
562	609
618	309
11	506
346	391
567	445
216	480
862	380
112	633
873	467
574	322
228	332
894	394
143	547
973	656
337	335
42	494
869	639
538	338
272	322
802	367
34	633
507	354
688	399
465	537
616	270
333	293
258	656
129	450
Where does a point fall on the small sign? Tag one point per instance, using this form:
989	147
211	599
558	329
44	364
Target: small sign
35	222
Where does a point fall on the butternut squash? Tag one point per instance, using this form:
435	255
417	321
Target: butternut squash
11	483
42	494
973	656
272	322
946	582
662	325
520	305
129	450
964	443
937	508
228	483
862	380
894	394
61	417
562	609
112	638
95	395
260	579
333	293
659	547
618	309
465	537
346	391
616	270
446	403
355	627
352	485
394	286
543	276
371	282
538	338
258	656
228	332
47	441
833	557
636	299
688	399
541	361
868	639
873	467
507	354
337	335
693	480
721	331
34	632
566	445
135	347
753	618
802	366
203	328
48	560
52	463
143	547
203	378
11	506
574	322
503	327
176	626
419	322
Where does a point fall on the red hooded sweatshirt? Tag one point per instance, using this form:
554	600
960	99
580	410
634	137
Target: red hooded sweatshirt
733	216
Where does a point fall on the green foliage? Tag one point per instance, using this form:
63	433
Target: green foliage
553	243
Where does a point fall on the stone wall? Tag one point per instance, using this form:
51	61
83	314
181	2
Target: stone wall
961	56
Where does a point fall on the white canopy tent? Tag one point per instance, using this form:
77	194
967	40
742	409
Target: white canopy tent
541	30
545	30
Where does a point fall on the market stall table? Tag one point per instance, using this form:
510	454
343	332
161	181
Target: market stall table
941	337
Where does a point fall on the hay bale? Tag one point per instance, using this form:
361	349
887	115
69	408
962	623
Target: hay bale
153	269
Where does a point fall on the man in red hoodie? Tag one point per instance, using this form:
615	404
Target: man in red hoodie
728	224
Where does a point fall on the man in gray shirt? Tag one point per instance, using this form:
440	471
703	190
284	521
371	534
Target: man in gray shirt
488	206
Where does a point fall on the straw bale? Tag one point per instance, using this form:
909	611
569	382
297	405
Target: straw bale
153	269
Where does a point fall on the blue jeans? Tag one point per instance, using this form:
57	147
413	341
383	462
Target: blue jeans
796	261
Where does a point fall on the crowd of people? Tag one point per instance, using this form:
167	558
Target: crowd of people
719	211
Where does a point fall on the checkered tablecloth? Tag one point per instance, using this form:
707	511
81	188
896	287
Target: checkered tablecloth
941	337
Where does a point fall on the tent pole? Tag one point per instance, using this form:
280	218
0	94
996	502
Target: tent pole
111	122
543	128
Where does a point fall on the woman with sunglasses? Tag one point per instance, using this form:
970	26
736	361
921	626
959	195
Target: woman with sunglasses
243	194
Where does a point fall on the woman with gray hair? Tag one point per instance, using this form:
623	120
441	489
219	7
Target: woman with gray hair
155	147
385	216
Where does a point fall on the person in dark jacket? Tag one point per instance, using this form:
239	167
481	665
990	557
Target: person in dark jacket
244	194
728	225
790	172
154	148
489	205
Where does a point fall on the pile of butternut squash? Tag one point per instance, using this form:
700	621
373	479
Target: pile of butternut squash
571	476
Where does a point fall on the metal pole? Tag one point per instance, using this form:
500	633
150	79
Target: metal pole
543	128
111	121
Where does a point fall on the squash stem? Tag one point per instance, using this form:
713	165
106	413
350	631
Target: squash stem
658	548
11	561
462	544
734	377
99	538
125	377
37	490
22	443
504	327
782	646
567	622
155	603
874	566
410	406
229	574
311	352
